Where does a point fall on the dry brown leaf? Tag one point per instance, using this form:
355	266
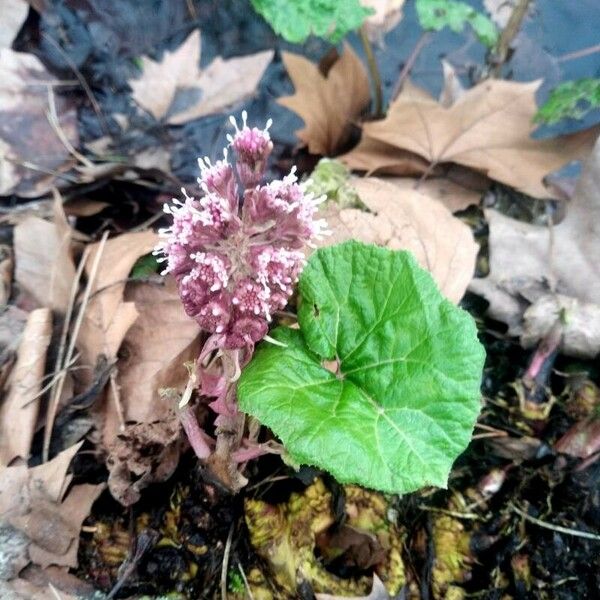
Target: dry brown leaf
375	157
153	355
388	13
107	316
453	196
409	220
144	453
155	90
34	501
223	83
13	14
32	155
19	408
329	103
488	129
563	259
44	266
176	86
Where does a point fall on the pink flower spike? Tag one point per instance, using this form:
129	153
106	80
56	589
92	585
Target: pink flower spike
252	147
218	178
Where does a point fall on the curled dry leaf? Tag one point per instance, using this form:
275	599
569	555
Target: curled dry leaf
14	13
561	259
35	502
19	408
327	102
176	87
152	356
409	220
487	128
32	155
144	453
44	266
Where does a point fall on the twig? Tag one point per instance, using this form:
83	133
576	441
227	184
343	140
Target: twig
410	63
53	408
114	388
579	53
60	366
191	9
33	167
52	117
374	72
451	513
559	528
225	563
55	592
507	36
81	79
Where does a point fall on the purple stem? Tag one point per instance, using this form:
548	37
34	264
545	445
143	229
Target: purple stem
198	439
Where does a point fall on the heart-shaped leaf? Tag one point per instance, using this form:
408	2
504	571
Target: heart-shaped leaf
404	396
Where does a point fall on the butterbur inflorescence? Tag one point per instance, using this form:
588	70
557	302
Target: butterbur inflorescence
236	251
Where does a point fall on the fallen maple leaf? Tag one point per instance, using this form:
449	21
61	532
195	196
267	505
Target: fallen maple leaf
44	266
560	261
32	155
20	407
409	220
488	129
374	157
175	87
327	102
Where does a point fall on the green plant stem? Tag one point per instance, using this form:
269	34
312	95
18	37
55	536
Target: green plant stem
374	72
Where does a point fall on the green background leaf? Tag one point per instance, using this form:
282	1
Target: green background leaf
295	20
437	14
571	99
406	395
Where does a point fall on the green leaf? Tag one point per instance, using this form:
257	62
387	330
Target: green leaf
145	266
402	404
295	20
437	14
572	99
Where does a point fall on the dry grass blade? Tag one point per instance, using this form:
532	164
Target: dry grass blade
53	407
